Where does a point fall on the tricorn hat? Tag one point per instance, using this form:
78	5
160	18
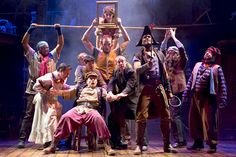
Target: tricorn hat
146	31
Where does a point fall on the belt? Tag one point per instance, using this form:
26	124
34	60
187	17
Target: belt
152	82
86	104
83	109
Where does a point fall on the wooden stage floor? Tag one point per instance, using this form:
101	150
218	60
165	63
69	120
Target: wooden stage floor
8	149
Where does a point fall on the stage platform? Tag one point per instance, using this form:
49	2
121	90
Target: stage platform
8	149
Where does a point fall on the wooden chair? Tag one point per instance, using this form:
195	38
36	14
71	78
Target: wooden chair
89	137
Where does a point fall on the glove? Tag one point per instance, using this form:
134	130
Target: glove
58	28
31	28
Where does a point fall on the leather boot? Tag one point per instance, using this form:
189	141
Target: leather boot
21	144
108	148
52	148
141	126
123	143
138	150
46	144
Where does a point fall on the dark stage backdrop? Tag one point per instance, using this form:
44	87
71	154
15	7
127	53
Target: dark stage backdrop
199	23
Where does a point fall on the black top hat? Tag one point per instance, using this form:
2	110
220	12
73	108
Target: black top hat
146	31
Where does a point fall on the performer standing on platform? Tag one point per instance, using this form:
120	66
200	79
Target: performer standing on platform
207	89
108	17
105	57
40	62
154	89
176	59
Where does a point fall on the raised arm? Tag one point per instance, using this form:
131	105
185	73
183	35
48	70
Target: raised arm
182	52
163	46
125	35
177	42
26	37
85	39
60	40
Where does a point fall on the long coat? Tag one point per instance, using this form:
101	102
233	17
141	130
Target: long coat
140	72
125	83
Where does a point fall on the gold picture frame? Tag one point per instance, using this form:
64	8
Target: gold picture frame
101	4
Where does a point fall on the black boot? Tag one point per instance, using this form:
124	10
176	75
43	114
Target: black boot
123	144
169	149
197	145
179	144
21	144
212	149
47	144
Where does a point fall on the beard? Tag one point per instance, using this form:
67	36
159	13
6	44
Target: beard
172	60
171	63
211	60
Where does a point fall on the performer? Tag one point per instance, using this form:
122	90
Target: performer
105	57
123	99
47	107
88	67
81	63
176	59
207	89
40	62
108	17
154	90
84	113
81	75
